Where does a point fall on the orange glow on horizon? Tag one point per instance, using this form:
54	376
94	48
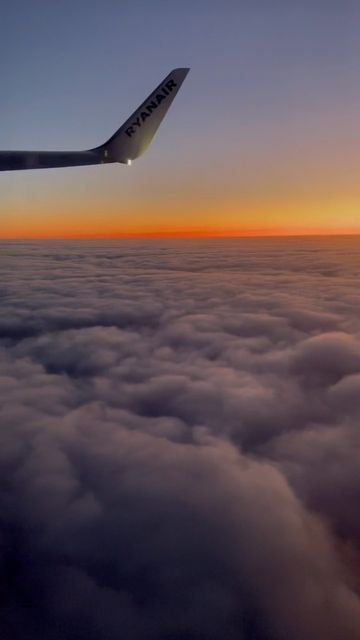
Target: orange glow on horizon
192	233
189	219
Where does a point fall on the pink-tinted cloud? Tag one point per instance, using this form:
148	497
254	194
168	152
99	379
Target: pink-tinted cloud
179	444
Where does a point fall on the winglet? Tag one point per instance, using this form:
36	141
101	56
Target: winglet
134	136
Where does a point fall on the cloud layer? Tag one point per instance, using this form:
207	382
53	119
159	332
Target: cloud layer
179	441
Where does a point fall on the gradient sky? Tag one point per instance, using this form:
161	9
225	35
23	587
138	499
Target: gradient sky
263	137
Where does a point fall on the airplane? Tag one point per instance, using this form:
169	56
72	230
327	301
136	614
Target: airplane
126	144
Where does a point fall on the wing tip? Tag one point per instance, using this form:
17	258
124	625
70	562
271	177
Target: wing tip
184	70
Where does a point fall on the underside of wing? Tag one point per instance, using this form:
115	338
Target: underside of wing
14	160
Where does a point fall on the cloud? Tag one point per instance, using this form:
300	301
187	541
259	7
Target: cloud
179	448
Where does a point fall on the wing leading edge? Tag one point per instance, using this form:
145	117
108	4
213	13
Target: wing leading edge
126	144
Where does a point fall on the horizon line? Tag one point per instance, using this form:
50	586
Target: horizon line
176	236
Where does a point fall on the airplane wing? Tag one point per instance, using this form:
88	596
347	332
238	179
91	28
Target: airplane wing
126	144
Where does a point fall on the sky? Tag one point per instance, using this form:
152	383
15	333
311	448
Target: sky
263	137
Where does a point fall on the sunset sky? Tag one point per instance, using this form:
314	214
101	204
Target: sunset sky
263	137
